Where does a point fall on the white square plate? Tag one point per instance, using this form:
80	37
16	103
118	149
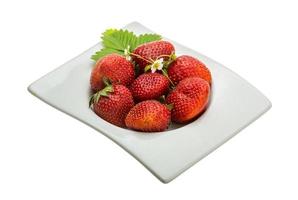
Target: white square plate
234	105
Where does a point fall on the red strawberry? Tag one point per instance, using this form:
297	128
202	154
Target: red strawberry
113	103
148	116
152	51
149	86
113	67
189	99
187	66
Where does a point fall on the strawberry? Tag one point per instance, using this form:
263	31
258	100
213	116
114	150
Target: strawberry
113	67
148	116
187	66
113	103
146	53
149	86
189	99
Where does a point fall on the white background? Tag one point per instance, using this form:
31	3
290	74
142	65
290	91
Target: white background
45	154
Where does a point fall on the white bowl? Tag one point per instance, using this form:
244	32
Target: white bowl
234	105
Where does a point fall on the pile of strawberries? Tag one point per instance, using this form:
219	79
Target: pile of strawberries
164	88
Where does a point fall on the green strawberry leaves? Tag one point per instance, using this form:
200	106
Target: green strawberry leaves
122	41
144	38
103	52
118	39
102	93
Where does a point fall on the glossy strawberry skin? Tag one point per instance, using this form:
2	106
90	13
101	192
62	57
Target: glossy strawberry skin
189	99
115	106
152	51
187	66
148	116
113	67
149	86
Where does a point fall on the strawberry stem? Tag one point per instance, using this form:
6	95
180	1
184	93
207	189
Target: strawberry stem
106	81
140	57
169	106
105	92
168	56
164	72
162	99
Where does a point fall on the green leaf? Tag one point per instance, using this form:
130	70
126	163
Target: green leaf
118	39
103	52
91	101
145	38
106	91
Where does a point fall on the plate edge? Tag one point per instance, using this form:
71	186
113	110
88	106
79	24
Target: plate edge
261	113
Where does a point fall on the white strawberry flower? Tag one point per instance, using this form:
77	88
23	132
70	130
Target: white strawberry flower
157	65
127	54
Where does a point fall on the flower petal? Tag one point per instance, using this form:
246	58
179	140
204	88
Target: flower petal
153	69
160	67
